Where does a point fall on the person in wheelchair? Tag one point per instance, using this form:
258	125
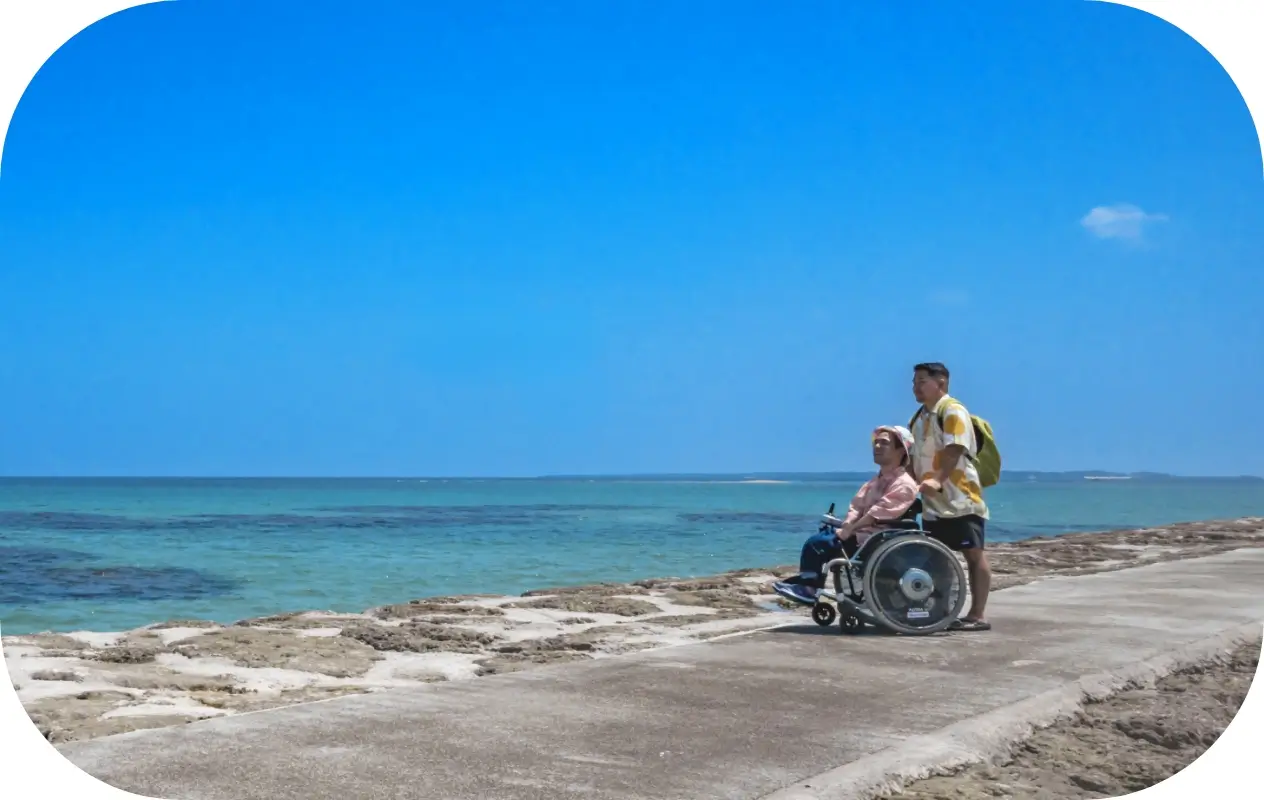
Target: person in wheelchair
886	501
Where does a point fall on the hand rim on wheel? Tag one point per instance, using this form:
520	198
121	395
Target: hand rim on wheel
874	573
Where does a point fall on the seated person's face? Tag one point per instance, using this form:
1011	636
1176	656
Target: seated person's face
885	450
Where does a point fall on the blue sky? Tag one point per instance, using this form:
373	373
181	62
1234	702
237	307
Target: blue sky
318	238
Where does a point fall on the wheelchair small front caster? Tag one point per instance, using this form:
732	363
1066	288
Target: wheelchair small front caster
851	624
823	614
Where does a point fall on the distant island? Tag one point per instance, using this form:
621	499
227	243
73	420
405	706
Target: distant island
1010	476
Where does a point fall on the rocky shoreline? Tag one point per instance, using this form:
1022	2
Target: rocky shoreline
84	685
1123	744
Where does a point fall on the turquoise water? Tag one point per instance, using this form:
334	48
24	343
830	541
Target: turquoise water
116	554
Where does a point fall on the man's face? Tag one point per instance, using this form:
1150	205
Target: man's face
886	451
926	388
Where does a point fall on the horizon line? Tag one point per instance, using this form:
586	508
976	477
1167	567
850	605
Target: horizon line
608	476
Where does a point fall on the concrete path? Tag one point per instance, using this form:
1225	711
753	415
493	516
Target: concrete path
739	718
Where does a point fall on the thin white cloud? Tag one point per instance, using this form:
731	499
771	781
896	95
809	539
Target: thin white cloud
1121	221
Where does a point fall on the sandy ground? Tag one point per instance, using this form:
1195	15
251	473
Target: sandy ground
1124	744
83	685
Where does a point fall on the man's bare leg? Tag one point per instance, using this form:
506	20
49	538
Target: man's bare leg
980	572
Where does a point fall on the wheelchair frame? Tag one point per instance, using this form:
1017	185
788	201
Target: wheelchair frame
855	608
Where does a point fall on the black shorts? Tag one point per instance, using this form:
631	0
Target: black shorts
957	533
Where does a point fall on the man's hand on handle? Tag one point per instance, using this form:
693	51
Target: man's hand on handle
930	485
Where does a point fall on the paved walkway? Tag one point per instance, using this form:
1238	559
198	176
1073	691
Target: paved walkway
737	718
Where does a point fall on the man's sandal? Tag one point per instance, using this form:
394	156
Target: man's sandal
964	624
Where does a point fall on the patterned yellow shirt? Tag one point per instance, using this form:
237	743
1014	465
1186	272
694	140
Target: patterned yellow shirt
962	494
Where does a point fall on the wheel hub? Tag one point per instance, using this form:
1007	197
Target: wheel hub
916	585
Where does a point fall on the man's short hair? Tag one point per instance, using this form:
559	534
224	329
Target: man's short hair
933	368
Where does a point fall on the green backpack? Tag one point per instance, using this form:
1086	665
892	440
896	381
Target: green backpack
988	459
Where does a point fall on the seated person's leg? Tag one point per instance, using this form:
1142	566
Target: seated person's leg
850	546
817	552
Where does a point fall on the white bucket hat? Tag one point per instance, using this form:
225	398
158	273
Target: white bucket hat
902	434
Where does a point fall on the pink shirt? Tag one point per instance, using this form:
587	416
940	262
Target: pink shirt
885	498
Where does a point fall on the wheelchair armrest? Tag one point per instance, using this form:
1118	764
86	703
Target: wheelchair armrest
905	525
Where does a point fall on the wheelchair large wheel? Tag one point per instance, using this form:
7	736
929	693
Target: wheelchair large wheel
914	585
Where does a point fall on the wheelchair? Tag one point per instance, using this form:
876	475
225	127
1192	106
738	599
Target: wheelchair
899	579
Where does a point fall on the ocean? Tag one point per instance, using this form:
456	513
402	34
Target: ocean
115	554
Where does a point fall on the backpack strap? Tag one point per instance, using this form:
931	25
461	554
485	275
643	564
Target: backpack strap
918	415
940	419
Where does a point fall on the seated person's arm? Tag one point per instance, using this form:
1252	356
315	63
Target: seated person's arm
890	506
853	512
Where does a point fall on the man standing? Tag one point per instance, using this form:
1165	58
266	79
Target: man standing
953	510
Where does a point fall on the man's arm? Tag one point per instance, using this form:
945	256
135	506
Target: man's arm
951	458
958	441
